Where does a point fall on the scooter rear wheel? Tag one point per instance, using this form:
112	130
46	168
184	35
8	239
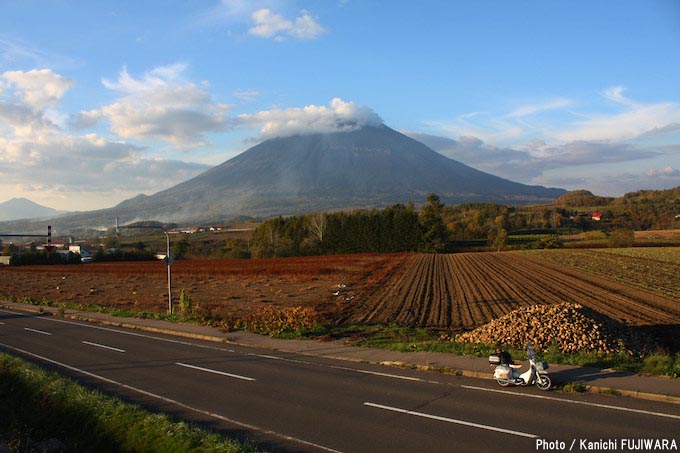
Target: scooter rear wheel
545	383
503	382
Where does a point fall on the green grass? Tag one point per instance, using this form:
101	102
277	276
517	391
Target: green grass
36	405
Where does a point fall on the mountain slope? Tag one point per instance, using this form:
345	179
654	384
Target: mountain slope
370	167
373	166
23	208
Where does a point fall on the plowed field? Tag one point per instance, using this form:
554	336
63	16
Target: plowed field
226	288
469	289
444	291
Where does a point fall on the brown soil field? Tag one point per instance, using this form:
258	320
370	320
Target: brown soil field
459	291
226	288
470	289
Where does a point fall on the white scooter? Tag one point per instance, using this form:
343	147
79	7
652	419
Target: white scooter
507	375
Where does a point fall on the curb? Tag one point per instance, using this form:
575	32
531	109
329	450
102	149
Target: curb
467	373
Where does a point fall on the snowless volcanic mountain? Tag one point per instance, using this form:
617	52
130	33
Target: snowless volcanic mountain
369	167
22	208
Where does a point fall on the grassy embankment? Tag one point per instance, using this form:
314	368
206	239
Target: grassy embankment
38	405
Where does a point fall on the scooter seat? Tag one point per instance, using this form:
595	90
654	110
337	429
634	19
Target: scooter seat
515	366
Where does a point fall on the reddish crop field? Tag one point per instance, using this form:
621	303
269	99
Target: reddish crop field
229	288
418	290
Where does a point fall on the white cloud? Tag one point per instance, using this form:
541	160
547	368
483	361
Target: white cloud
337	116
160	105
615	94
537	108
636	120
38	88
531	161
246	95
27	99
665	172
271	25
37	155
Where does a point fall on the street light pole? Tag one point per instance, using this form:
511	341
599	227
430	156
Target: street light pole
168	260
168	257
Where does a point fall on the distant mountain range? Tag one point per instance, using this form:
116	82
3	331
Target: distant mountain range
23	208
369	167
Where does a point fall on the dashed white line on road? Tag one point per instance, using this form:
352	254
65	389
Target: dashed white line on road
37	331
103	346
585	403
208	370
452	420
187	343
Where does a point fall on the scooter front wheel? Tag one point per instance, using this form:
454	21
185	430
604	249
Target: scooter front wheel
544	383
503	382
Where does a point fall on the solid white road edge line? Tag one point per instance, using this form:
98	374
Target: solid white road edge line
208	370
177	403
37	331
103	346
585	403
452	420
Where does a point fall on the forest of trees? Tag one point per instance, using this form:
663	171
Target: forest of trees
432	227
436	227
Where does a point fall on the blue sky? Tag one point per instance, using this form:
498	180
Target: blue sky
101	101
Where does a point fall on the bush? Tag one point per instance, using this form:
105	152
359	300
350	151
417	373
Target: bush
621	237
274	320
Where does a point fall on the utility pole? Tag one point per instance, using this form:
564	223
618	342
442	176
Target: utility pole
168	257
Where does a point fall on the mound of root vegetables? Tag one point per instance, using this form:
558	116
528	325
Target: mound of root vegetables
569	327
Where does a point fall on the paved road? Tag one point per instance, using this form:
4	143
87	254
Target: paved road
297	403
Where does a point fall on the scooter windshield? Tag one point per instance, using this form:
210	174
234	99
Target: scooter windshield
530	352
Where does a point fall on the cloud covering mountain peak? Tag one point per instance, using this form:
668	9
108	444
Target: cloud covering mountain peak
338	116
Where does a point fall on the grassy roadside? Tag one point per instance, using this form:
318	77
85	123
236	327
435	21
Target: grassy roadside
40	410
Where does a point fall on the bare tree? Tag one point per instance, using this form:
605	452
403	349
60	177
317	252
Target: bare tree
317	225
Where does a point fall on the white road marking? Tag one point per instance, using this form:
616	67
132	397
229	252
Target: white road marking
208	370
376	373
37	331
104	346
187	343
585	403
2	323
452	420
177	403
265	356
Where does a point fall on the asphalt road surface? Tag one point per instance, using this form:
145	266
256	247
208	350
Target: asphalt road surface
289	402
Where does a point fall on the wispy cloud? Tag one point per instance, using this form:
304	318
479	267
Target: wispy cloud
528	110
15	51
267	19
274	26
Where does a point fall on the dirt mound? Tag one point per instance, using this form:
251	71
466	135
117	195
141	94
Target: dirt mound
571	327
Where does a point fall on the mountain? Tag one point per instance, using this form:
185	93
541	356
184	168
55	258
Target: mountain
369	167
373	166
23	208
